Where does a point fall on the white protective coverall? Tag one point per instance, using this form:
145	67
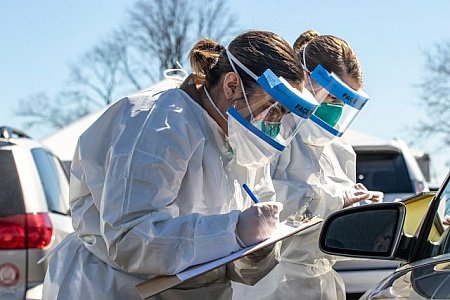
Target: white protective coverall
154	189
303	170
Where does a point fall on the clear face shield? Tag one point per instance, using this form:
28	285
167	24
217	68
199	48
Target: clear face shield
277	115
339	103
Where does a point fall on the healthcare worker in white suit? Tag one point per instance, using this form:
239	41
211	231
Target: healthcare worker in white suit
156	181
317	168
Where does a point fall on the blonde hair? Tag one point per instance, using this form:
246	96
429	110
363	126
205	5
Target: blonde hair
203	57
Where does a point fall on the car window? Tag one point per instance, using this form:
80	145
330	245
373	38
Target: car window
11	198
438	238
383	171
53	180
446	201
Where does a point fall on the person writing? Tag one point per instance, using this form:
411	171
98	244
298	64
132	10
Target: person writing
156	181
317	169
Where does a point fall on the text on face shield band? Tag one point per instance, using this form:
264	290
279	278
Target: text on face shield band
301	104
278	122
283	92
339	89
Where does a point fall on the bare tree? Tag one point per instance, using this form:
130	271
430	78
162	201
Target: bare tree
42	110
156	35
435	93
99	79
164	31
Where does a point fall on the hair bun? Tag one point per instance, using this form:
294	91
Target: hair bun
204	55
304	39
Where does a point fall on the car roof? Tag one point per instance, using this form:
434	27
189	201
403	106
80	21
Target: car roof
394	145
13	137
354	137
24	142
389	147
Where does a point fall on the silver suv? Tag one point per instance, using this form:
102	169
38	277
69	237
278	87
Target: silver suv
390	167
34	212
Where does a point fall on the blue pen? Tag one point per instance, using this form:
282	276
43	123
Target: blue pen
249	192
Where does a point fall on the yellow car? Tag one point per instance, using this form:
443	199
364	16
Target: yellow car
414	231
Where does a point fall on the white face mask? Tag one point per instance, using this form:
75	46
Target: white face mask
249	149
314	135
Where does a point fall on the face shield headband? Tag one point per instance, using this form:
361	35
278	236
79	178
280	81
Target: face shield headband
275	128
335	116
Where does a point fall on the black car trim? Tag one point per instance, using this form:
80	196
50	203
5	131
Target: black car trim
422	242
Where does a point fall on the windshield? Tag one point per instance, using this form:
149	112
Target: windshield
383	171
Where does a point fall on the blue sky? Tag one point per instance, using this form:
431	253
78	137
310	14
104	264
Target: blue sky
41	38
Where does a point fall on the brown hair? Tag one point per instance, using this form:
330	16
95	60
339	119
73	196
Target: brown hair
333	53
257	50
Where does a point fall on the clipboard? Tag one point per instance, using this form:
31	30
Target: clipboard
154	286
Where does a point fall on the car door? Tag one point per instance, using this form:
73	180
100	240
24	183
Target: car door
427	276
414	231
55	186
431	237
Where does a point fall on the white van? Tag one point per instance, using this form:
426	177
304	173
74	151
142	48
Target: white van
34	212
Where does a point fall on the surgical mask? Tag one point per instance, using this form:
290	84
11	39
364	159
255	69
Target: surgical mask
329	112
272	129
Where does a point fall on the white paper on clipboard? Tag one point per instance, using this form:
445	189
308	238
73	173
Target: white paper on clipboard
157	285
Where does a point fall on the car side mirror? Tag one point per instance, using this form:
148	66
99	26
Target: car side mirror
369	231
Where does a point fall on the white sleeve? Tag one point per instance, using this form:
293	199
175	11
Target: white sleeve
139	221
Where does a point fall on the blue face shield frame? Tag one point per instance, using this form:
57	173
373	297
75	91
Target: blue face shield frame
303	105
298	106
338	88
352	101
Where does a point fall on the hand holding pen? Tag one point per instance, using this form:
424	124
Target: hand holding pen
257	222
